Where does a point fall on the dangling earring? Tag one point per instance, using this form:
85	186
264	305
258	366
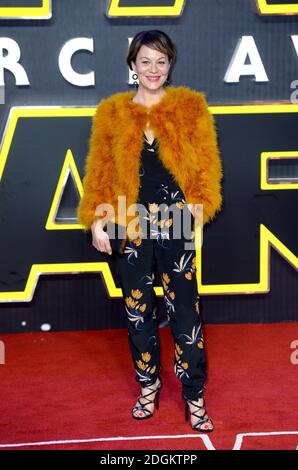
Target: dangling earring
135	78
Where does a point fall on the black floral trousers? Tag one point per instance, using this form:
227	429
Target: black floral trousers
176	264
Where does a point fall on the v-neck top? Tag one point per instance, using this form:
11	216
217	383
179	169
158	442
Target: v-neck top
158	192
156	182
152	168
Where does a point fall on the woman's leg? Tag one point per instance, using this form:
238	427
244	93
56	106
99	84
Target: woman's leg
177	268
135	269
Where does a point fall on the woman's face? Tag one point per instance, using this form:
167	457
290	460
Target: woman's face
152	67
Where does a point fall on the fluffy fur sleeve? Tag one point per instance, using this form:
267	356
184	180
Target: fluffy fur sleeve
99	165
205	182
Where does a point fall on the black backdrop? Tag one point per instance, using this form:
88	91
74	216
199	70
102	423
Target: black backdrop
206	34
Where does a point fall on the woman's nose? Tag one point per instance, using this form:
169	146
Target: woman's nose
153	68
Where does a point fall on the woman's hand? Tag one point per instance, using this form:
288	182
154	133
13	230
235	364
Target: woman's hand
100	238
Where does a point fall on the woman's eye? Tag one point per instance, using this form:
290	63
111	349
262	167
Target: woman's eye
160	63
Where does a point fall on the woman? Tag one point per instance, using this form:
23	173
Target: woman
158	149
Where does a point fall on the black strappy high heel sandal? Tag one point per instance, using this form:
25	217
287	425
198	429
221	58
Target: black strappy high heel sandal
142	407
201	419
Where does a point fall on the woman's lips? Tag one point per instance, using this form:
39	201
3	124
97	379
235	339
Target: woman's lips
153	79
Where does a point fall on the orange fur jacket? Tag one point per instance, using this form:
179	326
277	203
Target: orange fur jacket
188	148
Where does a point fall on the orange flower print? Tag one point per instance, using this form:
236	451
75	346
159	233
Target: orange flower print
141	365
196	335
152	218
178	349
137	294
169	296
192	269
134	308
180	367
165	287
184	265
165	280
143	308
169	222
153	207
200	344
146	357
130	302
137	241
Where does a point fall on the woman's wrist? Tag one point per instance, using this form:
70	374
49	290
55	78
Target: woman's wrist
97	223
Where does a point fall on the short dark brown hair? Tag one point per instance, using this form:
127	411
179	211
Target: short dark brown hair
155	39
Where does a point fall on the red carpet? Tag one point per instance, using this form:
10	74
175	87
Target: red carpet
75	390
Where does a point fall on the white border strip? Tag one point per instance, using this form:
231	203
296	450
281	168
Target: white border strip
239	437
205	439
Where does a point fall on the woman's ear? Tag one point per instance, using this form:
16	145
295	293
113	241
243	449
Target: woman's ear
133	66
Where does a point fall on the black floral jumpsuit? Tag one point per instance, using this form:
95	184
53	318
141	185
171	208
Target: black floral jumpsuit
177	268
